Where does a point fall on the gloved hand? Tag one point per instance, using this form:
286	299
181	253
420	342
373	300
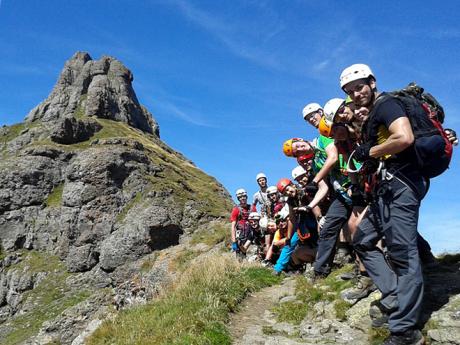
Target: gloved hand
452	136
311	188
370	166
357	196
362	152
235	247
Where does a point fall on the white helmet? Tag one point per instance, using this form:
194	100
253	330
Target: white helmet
241	192
310	108
298	171
260	175
254	215
355	72
283	213
331	107
272	190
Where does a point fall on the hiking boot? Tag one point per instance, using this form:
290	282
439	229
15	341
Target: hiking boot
276	273
318	276
379	314
364	287
410	337
347	276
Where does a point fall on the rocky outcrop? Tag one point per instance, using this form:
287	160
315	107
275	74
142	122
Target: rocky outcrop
101	88
70	130
87	181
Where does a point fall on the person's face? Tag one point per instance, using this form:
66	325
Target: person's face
302	180
300	148
290	191
254	223
345	114
271	227
306	164
262	182
243	199
273	197
339	131
361	114
283	224
360	91
314	118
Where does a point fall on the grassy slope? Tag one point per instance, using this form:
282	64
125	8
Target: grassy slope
194	311
49	298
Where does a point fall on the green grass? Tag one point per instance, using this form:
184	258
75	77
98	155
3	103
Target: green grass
147	265
309	294
13	132
341	307
377	335
50	298
291	312
182	259
55	197
212	235
194	311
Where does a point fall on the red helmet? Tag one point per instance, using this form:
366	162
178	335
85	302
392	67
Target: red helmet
282	184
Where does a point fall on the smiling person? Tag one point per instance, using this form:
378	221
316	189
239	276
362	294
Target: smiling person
388	136
260	197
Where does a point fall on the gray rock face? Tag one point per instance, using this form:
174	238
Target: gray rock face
71	130
98	204
99	88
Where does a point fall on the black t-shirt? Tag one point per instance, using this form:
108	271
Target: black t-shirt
386	110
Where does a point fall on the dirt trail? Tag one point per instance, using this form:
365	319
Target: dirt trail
246	325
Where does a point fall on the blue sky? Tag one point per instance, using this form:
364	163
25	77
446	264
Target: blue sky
227	80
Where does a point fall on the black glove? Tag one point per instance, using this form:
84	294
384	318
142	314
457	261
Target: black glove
362	152
311	188
370	166
357	196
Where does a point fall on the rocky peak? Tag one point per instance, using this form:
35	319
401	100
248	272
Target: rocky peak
100	88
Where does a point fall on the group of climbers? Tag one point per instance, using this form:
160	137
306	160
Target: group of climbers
357	189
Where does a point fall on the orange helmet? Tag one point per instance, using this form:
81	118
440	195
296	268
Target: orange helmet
325	127
282	184
287	146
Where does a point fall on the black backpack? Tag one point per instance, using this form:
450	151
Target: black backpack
432	147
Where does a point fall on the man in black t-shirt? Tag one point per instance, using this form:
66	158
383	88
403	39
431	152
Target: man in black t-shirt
387	137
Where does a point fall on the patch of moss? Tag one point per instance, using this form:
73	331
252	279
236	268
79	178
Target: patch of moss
55	197
149	262
292	312
378	335
268	330
49	298
121	216
13	132
341	307
182	259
